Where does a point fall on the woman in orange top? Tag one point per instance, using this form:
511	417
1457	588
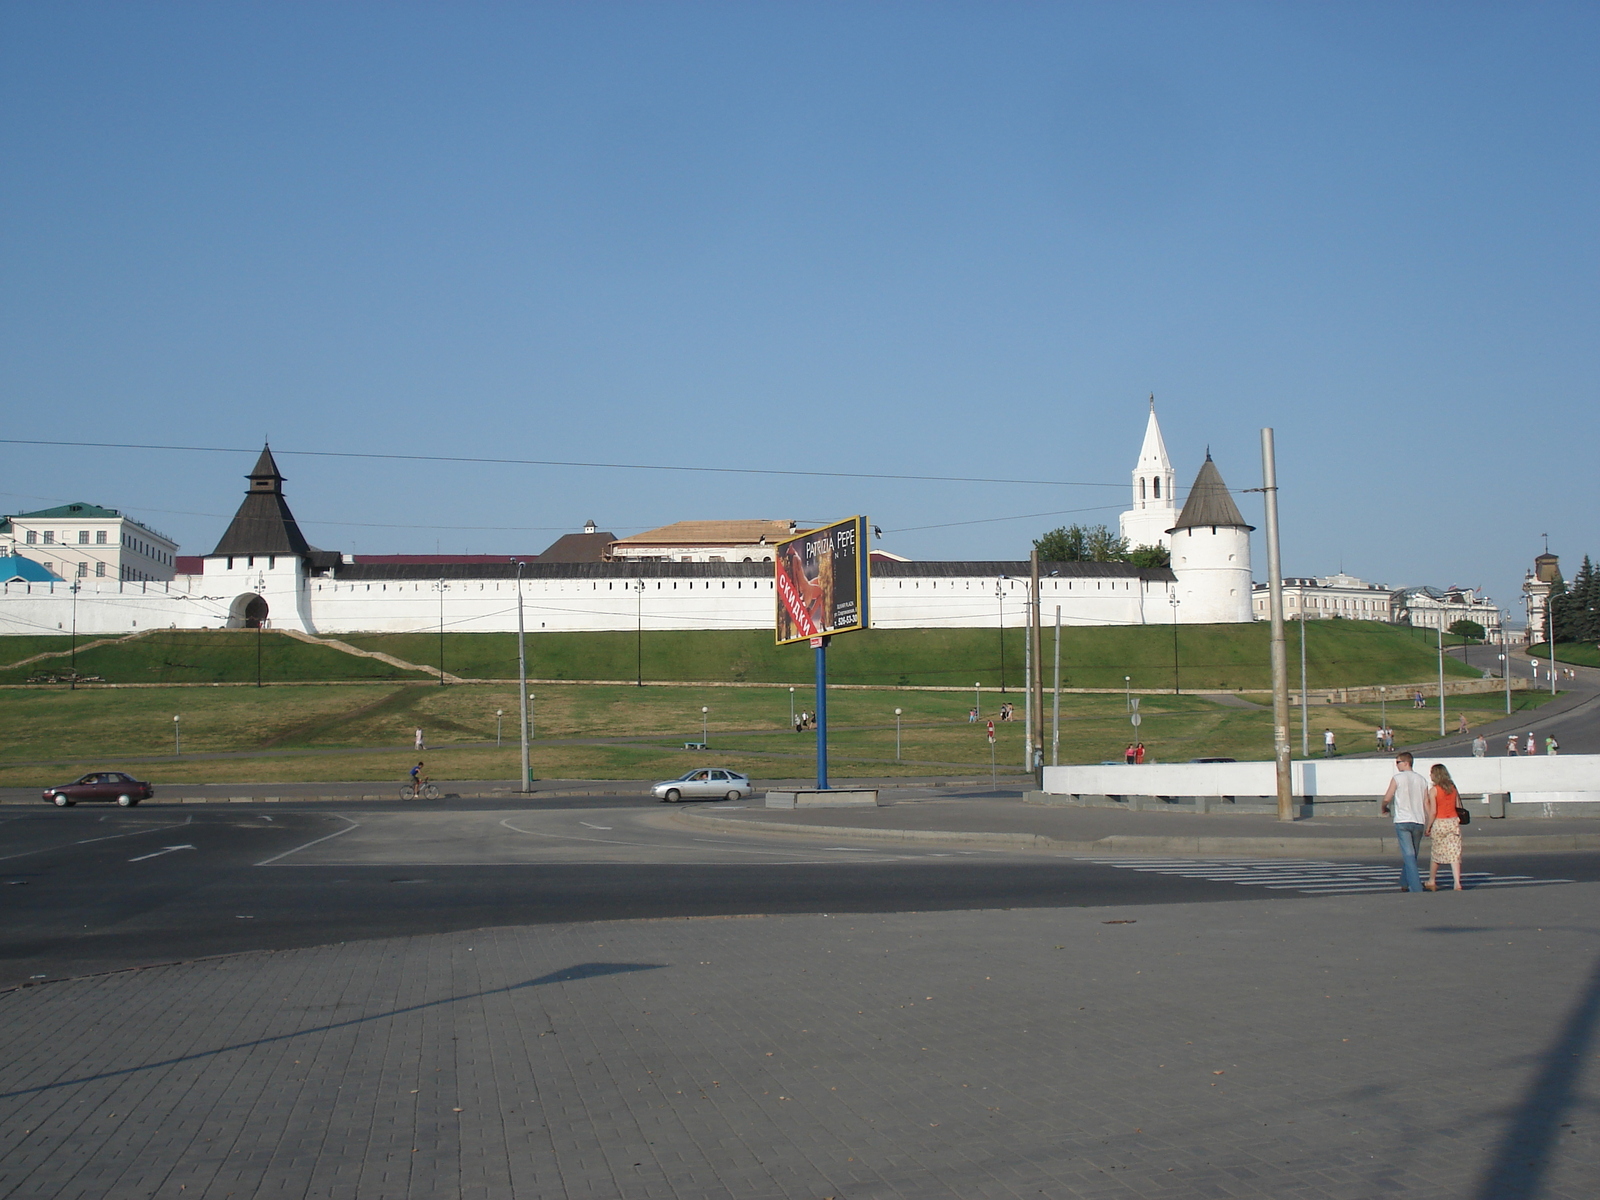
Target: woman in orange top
1443	826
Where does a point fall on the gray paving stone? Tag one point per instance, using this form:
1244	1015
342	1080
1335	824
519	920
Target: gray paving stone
1002	1054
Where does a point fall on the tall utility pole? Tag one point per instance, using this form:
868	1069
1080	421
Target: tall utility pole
1000	599
1055	705
1441	675
638	633
523	784
1027	692
1036	696
441	627
1305	728
1280	652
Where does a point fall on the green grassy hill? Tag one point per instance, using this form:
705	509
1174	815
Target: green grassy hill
1582	654
1338	653
195	656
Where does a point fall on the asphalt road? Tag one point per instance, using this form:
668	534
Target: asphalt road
86	890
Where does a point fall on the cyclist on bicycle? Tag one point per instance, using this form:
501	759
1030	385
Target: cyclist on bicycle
418	779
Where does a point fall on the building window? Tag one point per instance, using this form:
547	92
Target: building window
1158	487
49	537
83	537
1141	489
51	567
99	537
83	569
100	570
33	536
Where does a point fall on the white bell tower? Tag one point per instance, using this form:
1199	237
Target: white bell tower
1154	511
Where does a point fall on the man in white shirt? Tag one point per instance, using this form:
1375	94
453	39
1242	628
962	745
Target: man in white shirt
1407	798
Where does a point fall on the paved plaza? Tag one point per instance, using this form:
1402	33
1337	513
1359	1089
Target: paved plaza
1336	1046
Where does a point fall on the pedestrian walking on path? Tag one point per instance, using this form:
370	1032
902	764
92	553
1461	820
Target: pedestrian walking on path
420	745
1127	755
1444	826
1551	746
1531	747
1406	798
1138	755
1329	748
1511	745
1480	746
1461	725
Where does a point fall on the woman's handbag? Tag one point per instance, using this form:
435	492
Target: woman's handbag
1463	815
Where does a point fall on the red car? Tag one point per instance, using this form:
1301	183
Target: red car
100	785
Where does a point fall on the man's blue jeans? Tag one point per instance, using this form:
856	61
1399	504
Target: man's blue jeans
1409	834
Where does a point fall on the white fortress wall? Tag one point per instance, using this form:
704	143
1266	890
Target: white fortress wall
108	606
716	600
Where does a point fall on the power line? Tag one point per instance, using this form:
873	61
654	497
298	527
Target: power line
534	462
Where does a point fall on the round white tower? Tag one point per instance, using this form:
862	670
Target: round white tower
1154	509
1211	554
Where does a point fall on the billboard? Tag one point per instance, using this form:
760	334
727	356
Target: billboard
822	581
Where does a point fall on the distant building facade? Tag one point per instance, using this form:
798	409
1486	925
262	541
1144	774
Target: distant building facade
1440	608
1536	589
85	541
1338	595
705	542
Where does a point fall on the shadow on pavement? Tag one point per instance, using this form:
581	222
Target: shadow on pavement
1520	1161
593	970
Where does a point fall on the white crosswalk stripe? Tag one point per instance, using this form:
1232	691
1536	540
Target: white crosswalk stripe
1309	876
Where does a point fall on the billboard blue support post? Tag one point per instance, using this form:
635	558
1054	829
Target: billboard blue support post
822	579
822	714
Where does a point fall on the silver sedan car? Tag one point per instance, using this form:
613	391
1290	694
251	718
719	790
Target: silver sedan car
704	783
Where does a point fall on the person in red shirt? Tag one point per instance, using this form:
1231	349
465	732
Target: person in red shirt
1443	825
1138	754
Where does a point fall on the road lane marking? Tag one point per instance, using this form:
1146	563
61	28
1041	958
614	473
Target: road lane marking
110	837
353	825
586	825
160	852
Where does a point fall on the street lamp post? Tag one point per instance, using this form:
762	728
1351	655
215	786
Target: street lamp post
1550	630
73	682
1383	712
791	708
1441	675
1000	597
1172	599
177	736
1055	705
638	632
524	782
977	700
897	735
705	725
1127	693
1305	729
498	713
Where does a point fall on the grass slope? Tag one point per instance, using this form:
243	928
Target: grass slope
1338	653
200	656
1578	654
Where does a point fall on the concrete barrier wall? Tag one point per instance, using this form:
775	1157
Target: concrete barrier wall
1547	779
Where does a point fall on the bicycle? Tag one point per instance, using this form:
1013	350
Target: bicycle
424	791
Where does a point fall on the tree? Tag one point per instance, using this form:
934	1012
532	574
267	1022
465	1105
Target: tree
1081	543
1470	630
1575	611
1150	556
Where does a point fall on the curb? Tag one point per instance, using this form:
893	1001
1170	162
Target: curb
1132	844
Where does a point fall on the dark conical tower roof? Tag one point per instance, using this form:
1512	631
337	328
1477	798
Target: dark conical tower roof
1209	502
264	524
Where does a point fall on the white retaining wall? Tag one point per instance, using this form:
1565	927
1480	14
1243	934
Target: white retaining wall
1528	779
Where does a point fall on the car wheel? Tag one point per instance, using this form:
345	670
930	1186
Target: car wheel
62	802
125	801
673	796
734	796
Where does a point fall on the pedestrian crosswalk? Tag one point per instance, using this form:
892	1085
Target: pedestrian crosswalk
1310	876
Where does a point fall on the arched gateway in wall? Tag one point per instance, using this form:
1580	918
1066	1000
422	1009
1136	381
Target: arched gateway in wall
248	611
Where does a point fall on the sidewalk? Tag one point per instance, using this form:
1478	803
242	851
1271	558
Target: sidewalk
1011	824
1236	1050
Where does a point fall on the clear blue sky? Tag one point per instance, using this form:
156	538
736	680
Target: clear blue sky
910	238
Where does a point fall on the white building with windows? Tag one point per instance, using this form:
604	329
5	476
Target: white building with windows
85	541
1155	500
705	542
1338	595
1439	608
